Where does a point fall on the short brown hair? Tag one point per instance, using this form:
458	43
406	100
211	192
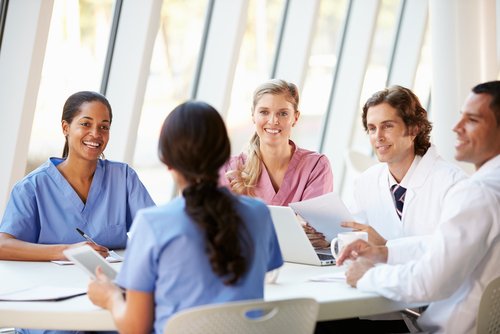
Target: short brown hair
409	109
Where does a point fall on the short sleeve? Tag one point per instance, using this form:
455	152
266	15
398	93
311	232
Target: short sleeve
320	179
275	257
139	270
21	216
138	196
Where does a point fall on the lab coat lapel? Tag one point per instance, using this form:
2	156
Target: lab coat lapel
386	195
420	174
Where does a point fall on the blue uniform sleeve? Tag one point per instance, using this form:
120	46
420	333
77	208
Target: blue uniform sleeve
139	270
275	258
138	196
21	216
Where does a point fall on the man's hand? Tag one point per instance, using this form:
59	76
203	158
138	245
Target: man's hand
373	235
357	269
361	248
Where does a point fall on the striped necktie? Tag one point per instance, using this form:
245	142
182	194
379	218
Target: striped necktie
399	196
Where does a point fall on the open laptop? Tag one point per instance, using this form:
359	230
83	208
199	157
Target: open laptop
294	243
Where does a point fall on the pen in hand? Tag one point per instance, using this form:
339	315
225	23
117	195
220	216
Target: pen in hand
111	253
86	236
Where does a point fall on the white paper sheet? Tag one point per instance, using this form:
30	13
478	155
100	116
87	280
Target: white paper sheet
338	276
324	213
43	293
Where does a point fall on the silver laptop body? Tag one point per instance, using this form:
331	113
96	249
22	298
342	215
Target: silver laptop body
294	243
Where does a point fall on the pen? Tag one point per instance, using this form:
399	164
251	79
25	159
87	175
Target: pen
111	253
86	236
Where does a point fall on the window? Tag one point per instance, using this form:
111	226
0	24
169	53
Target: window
171	72
74	61
253	67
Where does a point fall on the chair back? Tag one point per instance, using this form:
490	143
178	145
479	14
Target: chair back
293	316
488	316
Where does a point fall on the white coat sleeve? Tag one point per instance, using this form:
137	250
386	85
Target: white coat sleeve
403	250
468	222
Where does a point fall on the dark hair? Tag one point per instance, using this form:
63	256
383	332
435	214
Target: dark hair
194	142
73	105
492	88
409	109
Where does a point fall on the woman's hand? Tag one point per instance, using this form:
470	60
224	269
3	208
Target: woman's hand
102	291
373	236
103	251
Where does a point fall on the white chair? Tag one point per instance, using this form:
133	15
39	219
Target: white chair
247	317
7	331
488	316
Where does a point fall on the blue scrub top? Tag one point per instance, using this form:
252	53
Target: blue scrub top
166	255
43	207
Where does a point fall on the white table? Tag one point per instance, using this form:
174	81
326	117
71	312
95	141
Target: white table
337	300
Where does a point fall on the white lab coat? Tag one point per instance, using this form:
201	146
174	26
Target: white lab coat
374	204
458	261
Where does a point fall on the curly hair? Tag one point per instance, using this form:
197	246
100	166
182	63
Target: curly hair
409	109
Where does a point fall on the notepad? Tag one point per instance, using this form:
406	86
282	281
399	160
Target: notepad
43	293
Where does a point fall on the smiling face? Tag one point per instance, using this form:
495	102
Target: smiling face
389	136
274	118
478	135
88	133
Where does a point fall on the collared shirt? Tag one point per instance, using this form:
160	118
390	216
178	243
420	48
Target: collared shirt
308	175
167	255
405	182
43	207
452	268
430	181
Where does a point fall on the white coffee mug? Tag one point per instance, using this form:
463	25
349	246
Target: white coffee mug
345	238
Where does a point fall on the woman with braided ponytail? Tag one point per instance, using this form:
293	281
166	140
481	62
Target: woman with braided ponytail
272	167
206	246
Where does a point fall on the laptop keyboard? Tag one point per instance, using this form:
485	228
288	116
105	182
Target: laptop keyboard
325	257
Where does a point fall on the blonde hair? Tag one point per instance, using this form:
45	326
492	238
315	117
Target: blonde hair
246	176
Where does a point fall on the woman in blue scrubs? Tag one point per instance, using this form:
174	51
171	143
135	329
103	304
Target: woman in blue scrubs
206	246
100	197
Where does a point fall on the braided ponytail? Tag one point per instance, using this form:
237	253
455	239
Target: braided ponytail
194	142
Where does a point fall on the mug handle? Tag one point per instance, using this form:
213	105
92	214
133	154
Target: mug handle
332	245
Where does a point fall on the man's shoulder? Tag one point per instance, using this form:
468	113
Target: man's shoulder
373	173
444	169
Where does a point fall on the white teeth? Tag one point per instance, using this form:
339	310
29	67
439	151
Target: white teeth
460	141
91	144
272	131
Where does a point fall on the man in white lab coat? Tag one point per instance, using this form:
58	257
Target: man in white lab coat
451	269
412	172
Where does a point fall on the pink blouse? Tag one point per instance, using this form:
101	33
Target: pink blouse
308	175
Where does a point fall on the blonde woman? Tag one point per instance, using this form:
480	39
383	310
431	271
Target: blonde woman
272	167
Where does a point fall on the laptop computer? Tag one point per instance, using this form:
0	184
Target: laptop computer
294	243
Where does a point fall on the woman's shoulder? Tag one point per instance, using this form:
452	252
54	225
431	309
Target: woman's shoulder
248	205
236	161
37	177
308	155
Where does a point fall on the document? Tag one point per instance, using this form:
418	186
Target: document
324	213
338	276
43	293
